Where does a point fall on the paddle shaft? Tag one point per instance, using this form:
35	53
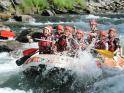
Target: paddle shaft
22	60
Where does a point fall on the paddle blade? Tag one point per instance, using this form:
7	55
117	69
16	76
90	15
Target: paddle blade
22	60
105	53
29	51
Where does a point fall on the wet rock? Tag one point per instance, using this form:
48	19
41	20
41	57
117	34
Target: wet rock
24	18
4	48
23	36
34	32
17	2
60	11
48	13
9	46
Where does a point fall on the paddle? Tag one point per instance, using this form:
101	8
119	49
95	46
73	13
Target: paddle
22	60
29	51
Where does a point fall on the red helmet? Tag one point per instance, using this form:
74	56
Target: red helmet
81	32
49	28
60	27
68	28
103	33
93	22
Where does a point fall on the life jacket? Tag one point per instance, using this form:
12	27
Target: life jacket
100	45
113	44
45	47
7	34
61	44
78	43
90	37
57	36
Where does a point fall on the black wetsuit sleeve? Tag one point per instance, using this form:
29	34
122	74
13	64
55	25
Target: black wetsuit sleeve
117	42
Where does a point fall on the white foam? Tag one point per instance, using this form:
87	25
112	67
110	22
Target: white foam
86	65
9	90
112	84
30	45
92	17
7	63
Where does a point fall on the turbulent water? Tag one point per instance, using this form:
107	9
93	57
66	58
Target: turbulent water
85	77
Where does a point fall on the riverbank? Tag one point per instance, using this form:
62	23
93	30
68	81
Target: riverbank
55	7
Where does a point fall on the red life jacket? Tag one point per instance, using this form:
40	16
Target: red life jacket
61	44
45	47
8	34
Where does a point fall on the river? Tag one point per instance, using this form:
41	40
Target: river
88	80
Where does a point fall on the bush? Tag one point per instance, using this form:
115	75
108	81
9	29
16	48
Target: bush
68	4
28	6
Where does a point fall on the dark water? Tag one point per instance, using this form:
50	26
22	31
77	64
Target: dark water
89	80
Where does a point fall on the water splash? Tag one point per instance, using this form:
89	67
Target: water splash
9	90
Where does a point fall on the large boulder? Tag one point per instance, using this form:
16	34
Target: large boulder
22	37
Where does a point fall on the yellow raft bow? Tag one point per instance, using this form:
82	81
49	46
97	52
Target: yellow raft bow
105	53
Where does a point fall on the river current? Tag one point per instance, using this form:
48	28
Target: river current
89	79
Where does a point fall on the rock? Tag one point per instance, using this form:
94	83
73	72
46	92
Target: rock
105	6
23	36
4	4
17	2
5	16
4	48
9	46
47	13
24	18
59	11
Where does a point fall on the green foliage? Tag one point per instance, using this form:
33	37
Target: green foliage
29	6
64	3
68	4
81	2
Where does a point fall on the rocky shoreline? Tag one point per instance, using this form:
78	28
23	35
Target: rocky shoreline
92	7
106	6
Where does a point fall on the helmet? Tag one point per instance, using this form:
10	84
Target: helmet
81	32
93	22
59	27
68	28
51	28
103	33
111	30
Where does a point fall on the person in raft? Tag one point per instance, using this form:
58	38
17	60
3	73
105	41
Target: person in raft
59	33
114	41
79	40
46	44
101	42
93	33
